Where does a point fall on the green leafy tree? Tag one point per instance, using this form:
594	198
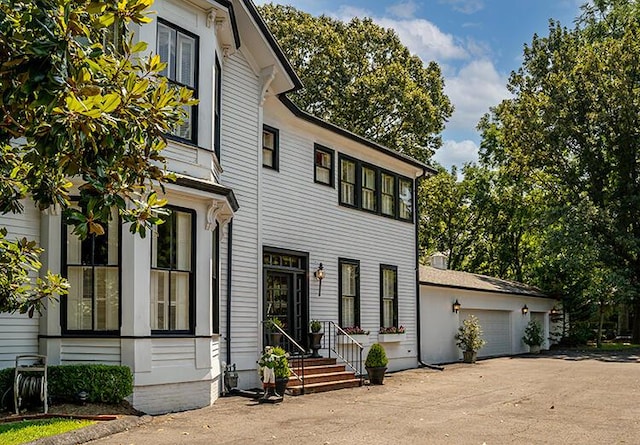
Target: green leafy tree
360	76
80	106
573	122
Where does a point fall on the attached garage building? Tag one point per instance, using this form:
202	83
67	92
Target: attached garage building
498	304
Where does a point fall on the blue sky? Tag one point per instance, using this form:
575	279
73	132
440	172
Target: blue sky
477	44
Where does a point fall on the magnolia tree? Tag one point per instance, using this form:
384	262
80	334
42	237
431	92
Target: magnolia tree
79	103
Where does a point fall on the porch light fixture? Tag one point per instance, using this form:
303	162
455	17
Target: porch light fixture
525	310
553	311
319	274
456	306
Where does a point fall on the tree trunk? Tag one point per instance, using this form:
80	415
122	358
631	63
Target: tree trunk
599	337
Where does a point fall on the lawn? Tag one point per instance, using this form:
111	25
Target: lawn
618	346
21	432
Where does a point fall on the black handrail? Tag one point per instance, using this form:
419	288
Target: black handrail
347	349
274	335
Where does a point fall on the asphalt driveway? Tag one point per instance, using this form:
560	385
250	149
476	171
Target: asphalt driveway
560	399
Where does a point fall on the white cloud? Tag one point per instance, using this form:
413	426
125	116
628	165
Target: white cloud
403	10
456	153
465	6
476	87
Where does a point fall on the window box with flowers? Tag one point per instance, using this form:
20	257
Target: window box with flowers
392	334
356	333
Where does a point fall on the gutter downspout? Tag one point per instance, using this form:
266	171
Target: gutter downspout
417	253
229	275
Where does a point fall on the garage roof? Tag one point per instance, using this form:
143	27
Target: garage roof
465	280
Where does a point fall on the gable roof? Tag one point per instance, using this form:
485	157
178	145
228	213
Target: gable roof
427	169
471	281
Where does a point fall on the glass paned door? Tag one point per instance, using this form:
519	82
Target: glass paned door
277	297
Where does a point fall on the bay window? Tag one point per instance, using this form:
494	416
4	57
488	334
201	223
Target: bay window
178	48
172	276
92	267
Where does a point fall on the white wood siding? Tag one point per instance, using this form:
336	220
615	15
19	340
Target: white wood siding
19	333
301	215
90	350
239	160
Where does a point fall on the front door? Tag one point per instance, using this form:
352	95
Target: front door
285	292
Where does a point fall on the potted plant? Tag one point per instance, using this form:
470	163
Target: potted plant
469	339
274	371
315	337
533	336
274	325
376	364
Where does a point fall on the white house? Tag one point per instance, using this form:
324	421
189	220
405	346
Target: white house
265	194
504	308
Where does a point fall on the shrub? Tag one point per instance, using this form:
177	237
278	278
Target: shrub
315	326
469	336
103	383
274	322
533	334
377	357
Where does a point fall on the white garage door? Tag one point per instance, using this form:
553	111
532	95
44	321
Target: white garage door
496	330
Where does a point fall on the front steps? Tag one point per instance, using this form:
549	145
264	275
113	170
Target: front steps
321	374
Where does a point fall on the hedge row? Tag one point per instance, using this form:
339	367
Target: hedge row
103	383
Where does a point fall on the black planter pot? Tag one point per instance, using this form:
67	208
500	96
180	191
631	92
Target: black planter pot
275	338
315	343
376	375
281	385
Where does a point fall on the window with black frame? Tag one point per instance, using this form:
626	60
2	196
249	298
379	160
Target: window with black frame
178	48
172	276
349	315
388	296
92	267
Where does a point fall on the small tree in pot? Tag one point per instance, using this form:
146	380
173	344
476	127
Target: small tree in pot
315	337
376	364
469	339
533	336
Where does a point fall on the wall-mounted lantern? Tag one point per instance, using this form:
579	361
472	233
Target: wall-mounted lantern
456	306
319	274
525	310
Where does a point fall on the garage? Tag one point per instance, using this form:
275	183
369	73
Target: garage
503	307
496	329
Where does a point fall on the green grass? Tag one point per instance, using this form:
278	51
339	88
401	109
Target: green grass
21	432
617	346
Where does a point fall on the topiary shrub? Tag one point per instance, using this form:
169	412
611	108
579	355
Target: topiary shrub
377	357
103	383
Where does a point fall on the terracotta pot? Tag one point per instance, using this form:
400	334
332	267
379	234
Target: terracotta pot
376	375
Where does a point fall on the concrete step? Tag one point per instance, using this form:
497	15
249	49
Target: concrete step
325	386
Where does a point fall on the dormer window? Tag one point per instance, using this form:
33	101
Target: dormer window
178	48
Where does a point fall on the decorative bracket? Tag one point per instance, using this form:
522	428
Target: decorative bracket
216	214
211	17
266	77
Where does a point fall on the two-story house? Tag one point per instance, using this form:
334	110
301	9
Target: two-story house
265	194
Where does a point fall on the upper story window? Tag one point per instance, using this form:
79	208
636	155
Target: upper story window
388	296
172	272
348	182
388	194
270	147
369	189
217	110
406	199
323	172
349	310
92	267
178	48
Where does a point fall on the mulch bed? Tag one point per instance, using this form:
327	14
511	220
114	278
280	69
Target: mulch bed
88	411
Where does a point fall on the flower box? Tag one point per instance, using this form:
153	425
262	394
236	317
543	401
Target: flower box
391	338
363	339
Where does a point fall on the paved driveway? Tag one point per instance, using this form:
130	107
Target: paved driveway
548	399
